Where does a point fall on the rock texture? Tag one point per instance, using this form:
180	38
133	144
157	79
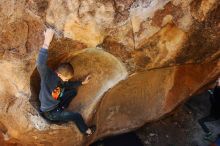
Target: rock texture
146	57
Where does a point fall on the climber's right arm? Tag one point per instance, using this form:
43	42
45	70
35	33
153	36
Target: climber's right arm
42	62
43	54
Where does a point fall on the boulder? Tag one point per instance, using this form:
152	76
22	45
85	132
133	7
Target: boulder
146	57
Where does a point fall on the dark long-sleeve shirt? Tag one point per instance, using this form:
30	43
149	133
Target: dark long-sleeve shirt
49	81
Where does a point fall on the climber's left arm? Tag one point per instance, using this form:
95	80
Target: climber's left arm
74	84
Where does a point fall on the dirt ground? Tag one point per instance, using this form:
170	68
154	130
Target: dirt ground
181	128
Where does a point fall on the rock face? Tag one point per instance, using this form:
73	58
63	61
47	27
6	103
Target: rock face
145	56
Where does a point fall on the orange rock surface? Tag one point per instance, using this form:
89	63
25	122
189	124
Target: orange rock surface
146	57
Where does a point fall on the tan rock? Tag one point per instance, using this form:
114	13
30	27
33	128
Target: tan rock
152	56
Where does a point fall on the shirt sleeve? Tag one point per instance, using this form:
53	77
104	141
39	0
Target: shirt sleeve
42	62
72	84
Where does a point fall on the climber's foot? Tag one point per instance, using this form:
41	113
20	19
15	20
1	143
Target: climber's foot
90	130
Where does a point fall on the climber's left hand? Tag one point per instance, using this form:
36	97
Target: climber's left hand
86	80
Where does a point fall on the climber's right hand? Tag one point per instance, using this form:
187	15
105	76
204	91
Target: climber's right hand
48	36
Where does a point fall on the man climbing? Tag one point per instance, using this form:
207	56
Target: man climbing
56	90
214	112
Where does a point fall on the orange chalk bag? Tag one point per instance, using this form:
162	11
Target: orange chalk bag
56	93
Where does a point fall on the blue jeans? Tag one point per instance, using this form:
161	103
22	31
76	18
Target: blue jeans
59	115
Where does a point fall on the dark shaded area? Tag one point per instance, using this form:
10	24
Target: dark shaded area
181	128
35	89
128	139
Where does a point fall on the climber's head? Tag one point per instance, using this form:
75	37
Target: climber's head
65	71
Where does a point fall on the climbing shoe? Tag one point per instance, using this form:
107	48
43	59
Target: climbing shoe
92	130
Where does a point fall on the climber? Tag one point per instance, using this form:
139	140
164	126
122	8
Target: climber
56	90
214	112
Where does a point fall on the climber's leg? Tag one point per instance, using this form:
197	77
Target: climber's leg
64	116
75	117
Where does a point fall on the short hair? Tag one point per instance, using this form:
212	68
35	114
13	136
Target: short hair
65	69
